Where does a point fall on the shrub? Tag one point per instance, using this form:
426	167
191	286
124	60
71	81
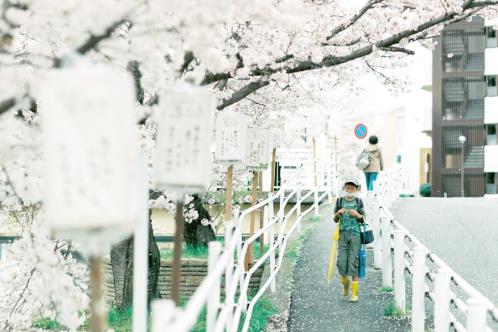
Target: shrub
425	190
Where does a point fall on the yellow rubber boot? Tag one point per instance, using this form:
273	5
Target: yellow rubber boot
345	285
354	291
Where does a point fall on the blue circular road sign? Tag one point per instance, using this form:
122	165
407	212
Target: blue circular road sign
360	131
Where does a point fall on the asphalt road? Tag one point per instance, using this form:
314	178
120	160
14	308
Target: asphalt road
462	231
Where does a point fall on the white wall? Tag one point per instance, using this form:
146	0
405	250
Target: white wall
491	110
491	61
491	158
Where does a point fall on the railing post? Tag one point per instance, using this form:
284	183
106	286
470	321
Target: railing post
162	313
377	239
281	212
213	301
476	314
418	290
298	211
442	301
271	242
229	295
387	268
316	201
399	269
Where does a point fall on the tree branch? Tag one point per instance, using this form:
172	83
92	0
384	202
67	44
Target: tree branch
94	40
215	77
7	104
243	92
368	5
187	60
134	68
397	49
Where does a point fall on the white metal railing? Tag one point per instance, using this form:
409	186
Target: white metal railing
457	304
227	262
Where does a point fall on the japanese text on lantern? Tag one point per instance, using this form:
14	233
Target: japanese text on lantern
258	147
91	160
231	137
183	154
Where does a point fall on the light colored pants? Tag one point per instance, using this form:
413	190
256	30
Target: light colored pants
347	260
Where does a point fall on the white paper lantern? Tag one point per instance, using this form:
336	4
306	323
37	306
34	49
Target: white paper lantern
258	148
95	181
185	130
315	126
231	137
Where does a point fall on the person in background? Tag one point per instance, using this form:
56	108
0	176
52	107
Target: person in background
376	163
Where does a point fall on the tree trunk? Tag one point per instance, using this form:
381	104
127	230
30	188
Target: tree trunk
122	268
196	234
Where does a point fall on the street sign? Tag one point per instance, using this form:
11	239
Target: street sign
258	148
185	127
95	182
360	131
231	137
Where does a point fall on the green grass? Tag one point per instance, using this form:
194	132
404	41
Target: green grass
188	252
118	320
314	218
202	252
47	324
391	310
263	310
387	289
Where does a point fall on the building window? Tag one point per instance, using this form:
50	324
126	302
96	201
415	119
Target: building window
491	89
491	33
491	80
491	185
491	129
491	138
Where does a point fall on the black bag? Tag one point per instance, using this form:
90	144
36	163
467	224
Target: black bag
366	236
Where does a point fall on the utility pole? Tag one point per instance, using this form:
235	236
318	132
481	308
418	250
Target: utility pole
462	140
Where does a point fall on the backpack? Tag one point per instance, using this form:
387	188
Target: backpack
362	162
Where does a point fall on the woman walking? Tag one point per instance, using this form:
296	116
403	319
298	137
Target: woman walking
375	161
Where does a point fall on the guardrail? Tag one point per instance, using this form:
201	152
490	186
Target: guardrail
457	304
235	312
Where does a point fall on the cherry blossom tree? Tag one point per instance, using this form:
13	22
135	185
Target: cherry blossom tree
268	59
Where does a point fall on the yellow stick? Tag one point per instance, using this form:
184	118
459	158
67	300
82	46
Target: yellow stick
333	254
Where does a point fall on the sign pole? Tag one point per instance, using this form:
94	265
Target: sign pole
228	194
98	310
273	169
177	252
261	216
314	162
249	256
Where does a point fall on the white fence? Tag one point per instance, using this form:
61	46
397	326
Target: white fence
457	305
227	262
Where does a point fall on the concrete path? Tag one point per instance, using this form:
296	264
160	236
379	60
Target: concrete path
462	231
317	307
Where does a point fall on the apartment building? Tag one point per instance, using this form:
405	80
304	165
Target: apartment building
465	110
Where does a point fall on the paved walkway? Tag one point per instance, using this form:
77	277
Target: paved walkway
317	307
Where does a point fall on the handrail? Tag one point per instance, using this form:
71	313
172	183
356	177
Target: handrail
384	198
228	315
259	205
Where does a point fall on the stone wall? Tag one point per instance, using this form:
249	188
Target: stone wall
193	272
